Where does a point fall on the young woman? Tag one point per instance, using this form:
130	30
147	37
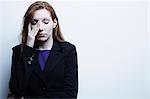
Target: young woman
43	65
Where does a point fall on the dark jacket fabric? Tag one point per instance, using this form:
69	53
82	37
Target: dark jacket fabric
58	80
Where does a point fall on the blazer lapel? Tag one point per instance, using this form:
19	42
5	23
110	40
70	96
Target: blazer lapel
38	71
54	57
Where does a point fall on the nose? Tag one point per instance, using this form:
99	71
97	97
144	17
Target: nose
40	30
40	26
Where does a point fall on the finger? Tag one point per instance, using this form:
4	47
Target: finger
35	30
29	28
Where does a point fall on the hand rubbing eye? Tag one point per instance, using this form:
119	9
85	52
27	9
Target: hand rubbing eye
34	22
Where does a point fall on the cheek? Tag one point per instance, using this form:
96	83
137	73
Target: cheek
48	27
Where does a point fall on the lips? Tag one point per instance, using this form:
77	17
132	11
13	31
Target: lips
41	35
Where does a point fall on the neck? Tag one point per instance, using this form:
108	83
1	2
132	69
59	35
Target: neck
47	45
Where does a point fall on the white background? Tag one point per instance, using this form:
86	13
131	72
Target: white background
112	39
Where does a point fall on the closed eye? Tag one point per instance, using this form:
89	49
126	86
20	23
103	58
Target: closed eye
45	21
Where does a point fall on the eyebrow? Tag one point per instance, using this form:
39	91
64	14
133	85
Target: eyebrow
41	18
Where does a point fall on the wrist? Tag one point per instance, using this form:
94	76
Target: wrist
30	41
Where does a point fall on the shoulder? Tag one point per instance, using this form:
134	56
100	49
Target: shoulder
16	48
68	46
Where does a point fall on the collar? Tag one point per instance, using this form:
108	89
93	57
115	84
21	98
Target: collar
56	46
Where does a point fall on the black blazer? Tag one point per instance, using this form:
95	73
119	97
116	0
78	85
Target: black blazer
58	80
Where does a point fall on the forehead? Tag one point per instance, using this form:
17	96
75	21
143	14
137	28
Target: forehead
42	13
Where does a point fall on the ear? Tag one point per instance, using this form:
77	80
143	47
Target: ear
55	23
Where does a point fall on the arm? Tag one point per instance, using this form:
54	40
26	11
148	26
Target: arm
71	74
20	70
21	61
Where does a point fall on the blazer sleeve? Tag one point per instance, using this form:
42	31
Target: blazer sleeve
20	70
71	74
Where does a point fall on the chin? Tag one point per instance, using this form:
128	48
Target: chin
42	39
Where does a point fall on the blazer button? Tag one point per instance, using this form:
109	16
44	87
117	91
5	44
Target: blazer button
43	88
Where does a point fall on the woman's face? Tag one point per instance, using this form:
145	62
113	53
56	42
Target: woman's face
43	19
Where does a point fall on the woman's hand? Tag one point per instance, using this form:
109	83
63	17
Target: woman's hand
32	34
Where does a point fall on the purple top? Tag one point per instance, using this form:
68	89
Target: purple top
42	57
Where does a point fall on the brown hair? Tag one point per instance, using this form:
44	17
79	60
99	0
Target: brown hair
57	35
